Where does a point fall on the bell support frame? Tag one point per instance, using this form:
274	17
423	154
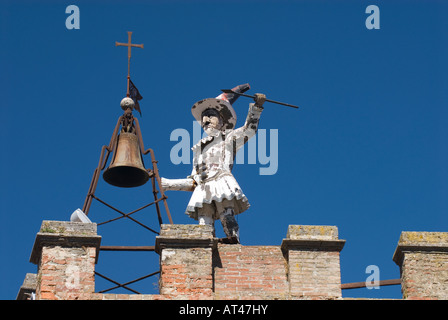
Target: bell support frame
155	177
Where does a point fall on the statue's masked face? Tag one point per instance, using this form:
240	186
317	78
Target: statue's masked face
211	121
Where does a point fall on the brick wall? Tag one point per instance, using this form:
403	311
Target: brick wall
250	272
306	266
314	274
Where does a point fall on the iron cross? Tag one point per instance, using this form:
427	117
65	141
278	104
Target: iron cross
129	45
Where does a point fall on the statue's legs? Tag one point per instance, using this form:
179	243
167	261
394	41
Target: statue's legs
226	216
206	220
205	216
230	225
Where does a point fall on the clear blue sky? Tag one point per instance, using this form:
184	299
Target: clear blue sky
366	151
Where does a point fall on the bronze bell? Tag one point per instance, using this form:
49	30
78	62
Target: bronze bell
126	169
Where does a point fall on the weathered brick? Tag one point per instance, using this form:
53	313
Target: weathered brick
423	261
313	262
64	269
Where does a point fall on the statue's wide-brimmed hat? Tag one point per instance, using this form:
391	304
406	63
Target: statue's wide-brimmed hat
222	104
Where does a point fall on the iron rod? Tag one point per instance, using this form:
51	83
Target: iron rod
267	100
132	212
124	285
124	214
114	282
127	248
156	170
356	285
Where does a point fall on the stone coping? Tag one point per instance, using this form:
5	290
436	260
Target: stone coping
420	241
65	234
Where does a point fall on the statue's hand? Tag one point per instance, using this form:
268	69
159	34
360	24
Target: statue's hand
259	100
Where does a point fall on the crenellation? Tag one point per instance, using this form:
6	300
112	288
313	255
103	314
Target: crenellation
195	265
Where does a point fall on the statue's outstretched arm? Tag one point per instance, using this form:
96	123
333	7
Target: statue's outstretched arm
187	184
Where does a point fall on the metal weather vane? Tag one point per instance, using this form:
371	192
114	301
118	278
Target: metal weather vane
129	45
131	90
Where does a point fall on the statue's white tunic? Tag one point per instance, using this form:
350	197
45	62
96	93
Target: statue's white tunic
213	158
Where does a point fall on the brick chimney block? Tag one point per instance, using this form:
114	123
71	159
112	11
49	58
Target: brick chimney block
423	261
312	254
66	254
186	270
